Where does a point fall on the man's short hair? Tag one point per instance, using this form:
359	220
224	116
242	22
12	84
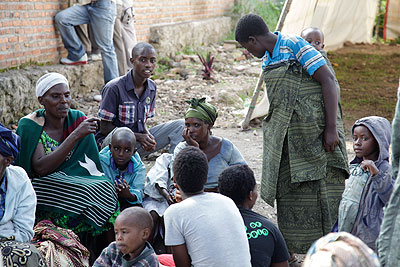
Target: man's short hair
250	25
139	47
191	169
236	182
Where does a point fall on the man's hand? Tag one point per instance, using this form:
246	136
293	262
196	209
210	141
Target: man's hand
331	139
189	140
369	165
147	141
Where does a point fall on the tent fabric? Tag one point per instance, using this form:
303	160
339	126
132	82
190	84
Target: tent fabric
392	20
339	20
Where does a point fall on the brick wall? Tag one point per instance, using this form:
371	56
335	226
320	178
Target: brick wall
28	33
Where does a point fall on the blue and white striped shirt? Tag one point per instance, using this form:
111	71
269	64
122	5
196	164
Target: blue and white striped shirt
292	47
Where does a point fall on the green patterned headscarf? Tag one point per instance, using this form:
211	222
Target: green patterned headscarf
202	110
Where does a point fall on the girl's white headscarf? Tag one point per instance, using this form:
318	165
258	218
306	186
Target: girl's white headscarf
47	81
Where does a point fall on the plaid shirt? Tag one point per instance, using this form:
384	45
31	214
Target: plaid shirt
123	107
291	47
112	256
3	190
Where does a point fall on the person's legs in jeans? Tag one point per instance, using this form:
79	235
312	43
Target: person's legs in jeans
119	44
102	16
66	20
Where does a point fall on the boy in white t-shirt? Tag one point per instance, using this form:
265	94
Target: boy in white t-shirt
205	229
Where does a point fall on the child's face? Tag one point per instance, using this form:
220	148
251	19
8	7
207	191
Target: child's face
315	38
130	239
364	143
122	150
144	63
254	47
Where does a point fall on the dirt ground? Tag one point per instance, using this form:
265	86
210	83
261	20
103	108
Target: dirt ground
368	75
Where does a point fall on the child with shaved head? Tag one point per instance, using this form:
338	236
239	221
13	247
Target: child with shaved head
132	229
124	168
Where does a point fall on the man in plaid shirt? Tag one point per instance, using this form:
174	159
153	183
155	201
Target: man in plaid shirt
130	100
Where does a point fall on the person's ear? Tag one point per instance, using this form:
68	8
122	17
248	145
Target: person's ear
9	160
132	60
110	146
252	39
146	233
323	45
40	99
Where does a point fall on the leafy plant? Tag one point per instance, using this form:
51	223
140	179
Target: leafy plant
207	63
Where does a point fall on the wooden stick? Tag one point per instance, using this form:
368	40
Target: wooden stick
246	122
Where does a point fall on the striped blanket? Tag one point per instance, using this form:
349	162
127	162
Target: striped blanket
78	187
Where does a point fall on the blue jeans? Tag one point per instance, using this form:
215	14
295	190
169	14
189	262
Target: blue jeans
101	16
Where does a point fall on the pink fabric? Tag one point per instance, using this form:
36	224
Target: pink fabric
166	260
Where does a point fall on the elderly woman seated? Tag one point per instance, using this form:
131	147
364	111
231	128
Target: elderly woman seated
59	153
17	206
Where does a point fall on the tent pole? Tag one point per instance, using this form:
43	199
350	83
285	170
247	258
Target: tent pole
378	19
257	89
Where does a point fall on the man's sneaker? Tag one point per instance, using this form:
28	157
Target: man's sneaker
81	61
94	57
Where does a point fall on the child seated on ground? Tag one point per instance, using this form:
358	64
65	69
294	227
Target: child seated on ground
123	166
157	191
267	246
132	229
204	229
370	184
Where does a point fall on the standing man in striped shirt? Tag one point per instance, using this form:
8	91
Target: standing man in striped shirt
304	154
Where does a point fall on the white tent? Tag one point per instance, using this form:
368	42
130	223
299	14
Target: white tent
392	20
339	20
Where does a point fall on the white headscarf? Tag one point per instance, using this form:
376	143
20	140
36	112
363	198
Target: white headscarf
47	81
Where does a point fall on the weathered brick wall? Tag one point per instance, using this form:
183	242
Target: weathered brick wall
28	33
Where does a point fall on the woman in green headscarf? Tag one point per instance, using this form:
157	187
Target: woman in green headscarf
220	152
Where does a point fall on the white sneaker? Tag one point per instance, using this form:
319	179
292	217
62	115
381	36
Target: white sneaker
94	57
81	61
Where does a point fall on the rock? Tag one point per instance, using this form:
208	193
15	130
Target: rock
184	74
240	58
192	58
229	47
240	68
175	70
178	58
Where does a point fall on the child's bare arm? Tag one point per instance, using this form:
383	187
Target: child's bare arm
325	77
164	192
181	256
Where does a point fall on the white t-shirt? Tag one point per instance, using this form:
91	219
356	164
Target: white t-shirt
212	228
